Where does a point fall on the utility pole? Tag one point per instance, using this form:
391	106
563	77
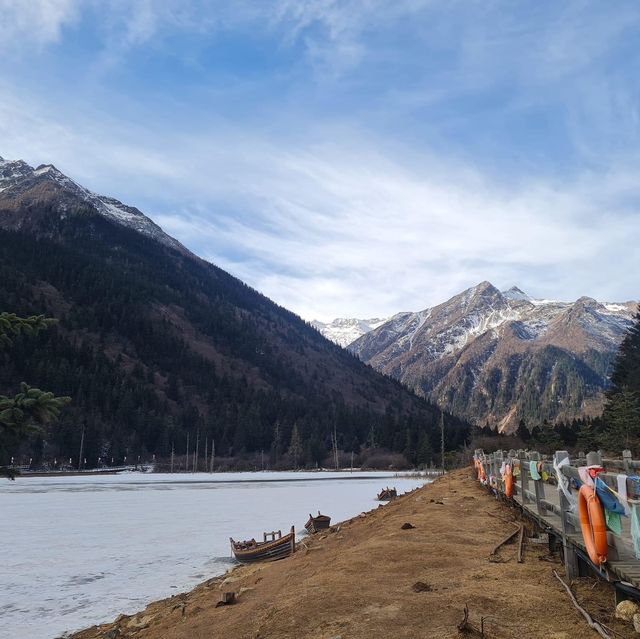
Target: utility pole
195	458
442	438
206	452
172	456
213	452
186	466
81	449
334	441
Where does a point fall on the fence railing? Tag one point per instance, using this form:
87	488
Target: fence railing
546	487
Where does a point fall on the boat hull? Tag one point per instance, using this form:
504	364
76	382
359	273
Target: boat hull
315	524
387	494
266	551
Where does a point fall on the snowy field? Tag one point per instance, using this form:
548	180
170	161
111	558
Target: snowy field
85	549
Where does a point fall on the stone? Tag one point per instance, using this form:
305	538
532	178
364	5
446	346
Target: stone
407	526
636	622
139	621
626	610
421	586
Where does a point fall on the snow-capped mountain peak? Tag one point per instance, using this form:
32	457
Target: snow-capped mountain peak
18	177
483	351
514	293
344	331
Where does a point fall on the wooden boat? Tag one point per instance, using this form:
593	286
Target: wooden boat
321	522
274	546
386	494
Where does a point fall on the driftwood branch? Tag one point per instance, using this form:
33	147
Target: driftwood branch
592	624
509	537
466	627
520	543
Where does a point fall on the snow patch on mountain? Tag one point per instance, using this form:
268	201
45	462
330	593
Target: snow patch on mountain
344	331
514	293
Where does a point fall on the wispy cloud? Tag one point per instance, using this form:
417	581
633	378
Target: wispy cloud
34	22
359	157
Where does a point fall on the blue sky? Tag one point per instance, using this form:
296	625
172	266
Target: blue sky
348	158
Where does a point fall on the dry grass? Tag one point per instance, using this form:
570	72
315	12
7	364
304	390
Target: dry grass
371	579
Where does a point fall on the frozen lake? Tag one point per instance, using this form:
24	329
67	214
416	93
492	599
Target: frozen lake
85	549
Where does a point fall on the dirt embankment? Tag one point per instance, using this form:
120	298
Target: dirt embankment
370	578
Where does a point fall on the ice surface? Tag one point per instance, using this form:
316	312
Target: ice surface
85	549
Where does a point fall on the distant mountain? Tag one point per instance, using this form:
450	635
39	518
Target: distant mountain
155	345
345	331
497	357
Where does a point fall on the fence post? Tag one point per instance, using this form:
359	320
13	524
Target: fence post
594	459
524	476
493	469
570	557
499	459
539	487
626	460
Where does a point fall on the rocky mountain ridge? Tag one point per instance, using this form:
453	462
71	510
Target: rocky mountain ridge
497	357
23	186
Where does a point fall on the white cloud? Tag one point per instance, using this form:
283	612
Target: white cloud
25	23
361	225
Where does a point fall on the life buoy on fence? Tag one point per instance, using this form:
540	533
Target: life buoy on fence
592	523
508	481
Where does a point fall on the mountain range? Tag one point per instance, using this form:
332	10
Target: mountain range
497	357
158	347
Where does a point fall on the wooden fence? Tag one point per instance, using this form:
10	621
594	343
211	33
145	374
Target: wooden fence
542	500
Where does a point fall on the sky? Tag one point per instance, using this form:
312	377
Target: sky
349	158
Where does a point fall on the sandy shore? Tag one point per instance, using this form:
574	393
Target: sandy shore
369	578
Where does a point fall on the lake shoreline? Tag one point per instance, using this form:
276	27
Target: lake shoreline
372	576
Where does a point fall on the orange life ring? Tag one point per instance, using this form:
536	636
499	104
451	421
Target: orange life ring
508	481
592	523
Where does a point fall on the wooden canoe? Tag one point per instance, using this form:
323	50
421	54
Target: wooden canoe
278	546
387	494
320	522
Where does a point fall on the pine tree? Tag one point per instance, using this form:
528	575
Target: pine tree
295	446
622	408
425	452
26	412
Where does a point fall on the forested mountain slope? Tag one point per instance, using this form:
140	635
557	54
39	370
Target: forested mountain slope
155	344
